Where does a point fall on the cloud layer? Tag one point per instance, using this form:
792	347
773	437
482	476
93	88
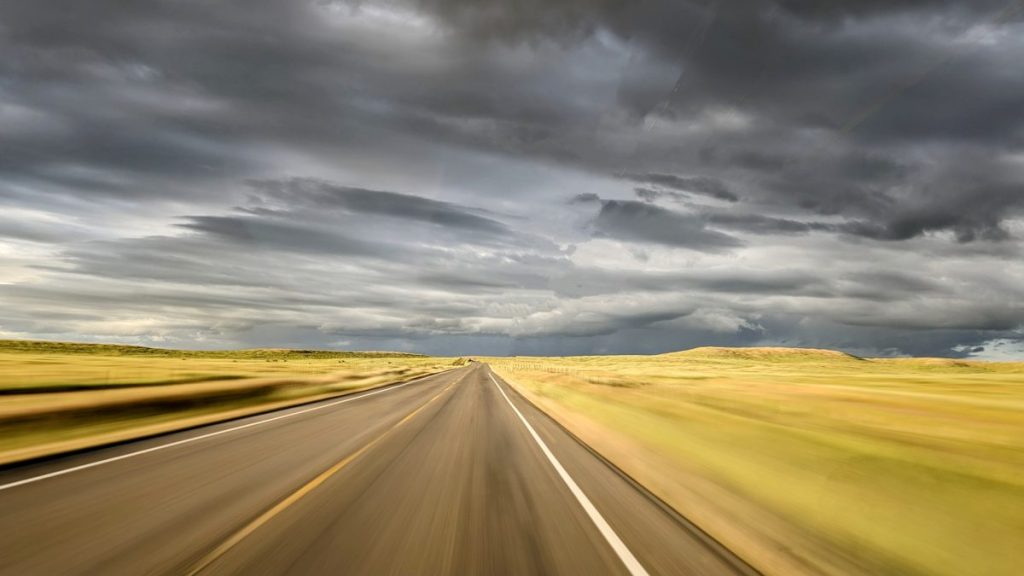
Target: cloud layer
566	176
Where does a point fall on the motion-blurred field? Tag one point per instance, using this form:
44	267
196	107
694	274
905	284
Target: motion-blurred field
811	462
56	397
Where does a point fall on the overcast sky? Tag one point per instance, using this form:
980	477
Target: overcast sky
531	177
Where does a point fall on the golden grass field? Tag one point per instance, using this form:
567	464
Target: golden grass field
811	462
57	397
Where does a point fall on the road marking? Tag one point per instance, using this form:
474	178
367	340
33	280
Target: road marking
305	489
632	564
202	437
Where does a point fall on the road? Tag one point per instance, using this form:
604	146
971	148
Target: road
450	474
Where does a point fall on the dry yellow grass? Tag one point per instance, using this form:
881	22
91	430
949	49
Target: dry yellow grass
55	398
812	462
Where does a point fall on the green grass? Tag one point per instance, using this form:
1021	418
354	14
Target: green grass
811	462
60	396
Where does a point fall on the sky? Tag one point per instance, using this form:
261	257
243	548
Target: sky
531	177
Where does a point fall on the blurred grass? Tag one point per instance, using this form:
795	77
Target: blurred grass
812	462
50	347
56	397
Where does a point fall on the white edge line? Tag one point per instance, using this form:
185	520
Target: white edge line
632	564
205	436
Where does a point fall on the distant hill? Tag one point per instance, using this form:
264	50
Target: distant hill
45	347
766	354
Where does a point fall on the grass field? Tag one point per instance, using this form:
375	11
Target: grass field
56	397
811	462
33	366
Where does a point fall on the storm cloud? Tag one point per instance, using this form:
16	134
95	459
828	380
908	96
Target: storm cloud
644	223
547	176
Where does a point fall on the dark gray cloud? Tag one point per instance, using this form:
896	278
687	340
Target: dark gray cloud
976	214
269	235
758	224
862	75
585	198
642	222
320	195
536	176
702	185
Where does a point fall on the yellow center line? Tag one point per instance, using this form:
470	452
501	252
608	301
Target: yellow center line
306	489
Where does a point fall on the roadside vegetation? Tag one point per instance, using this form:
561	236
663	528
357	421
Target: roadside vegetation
811	461
56	397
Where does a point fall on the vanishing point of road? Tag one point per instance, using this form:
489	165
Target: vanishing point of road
452	474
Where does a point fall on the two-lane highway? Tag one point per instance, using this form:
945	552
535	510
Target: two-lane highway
450	474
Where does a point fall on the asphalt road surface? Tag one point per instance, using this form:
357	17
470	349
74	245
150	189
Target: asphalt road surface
450	474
